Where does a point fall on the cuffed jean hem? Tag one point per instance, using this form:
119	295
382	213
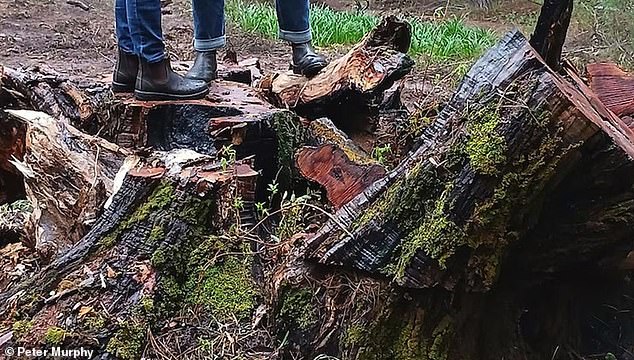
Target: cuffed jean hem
154	58
210	44
296	37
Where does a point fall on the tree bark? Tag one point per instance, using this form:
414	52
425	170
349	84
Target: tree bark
161	242
551	30
447	215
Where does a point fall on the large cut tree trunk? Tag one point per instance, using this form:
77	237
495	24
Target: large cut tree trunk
502	235
162	244
478	179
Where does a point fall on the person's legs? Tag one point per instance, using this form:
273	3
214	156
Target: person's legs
293	18
144	20
209	24
124	39
209	35
155	79
125	71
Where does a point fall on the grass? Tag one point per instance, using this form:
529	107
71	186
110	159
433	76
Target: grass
441	39
611	22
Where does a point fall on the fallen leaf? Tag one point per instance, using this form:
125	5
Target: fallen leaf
84	310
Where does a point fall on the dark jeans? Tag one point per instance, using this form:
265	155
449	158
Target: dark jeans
138	25
209	21
138	28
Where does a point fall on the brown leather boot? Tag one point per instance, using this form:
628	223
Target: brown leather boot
124	76
157	81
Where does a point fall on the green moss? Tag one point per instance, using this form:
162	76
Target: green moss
440	346
355	336
438	236
390	338
161	196
95	322
128	341
485	148
197	210
54	336
21	327
290	133
297	308
157	233
158	257
226	288
147	304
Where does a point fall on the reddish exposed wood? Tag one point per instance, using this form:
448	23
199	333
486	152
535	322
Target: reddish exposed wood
332	168
613	86
357	79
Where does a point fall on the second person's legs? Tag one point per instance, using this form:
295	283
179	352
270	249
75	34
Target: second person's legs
293	19
209	36
155	79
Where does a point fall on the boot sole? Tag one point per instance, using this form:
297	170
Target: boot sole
151	95
311	70
122	88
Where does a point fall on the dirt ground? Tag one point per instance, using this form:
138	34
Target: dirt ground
74	40
82	42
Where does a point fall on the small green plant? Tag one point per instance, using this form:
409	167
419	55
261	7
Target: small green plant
379	153
238	203
228	156
22	327
261	208
54	336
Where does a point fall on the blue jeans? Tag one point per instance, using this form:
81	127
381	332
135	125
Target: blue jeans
138	25
138	28
209	22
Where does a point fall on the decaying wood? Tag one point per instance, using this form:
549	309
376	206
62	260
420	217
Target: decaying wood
68	175
337	163
551	30
613	86
454	206
352	83
463	251
172	207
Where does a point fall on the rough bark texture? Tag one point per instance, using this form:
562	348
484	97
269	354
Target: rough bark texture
551	30
148	258
352	84
478	178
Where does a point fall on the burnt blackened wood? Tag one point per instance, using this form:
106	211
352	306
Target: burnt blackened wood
551	30
165	225
447	214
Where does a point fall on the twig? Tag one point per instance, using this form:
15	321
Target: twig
80	4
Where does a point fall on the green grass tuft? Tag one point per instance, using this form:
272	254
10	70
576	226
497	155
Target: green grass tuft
441	39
